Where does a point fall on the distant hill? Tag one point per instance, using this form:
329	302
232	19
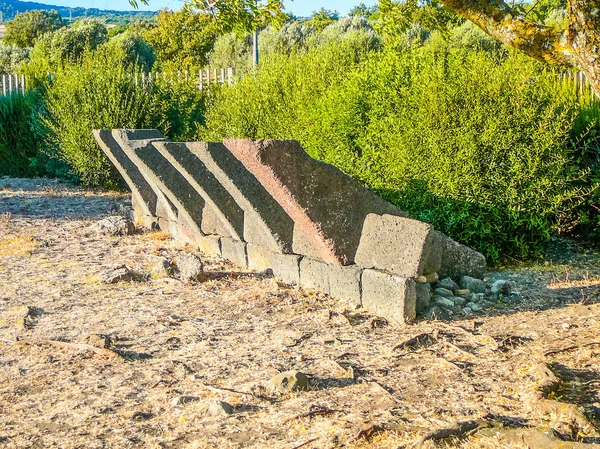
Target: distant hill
10	8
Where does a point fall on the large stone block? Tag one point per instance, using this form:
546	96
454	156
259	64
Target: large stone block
259	258
391	296
314	274
327	206
234	251
224	207
209	244
345	283
142	193
457	259
286	267
265	222
400	245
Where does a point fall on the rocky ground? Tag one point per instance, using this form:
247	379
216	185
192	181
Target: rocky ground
152	362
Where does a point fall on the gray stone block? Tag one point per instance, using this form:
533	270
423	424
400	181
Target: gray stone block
259	259
286	267
327	206
314	274
266	224
423	292
209	244
168	205
225	208
400	245
393	297
142	192
345	283
458	259
234	251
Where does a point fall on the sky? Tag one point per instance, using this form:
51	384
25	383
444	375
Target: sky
300	8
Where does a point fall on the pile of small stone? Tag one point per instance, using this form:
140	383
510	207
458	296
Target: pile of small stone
445	298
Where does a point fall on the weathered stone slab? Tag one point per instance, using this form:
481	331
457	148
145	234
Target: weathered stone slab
457	259
226	210
393	297
314	274
143	196
400	245
286	267
209	244
328	206
259	259
163	177
234	251
345	283
265	222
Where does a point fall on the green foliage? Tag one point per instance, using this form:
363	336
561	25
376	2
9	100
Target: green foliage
182	39
18	144
97	93
322	18
395	18
133	48
26	28
11	57
66	45
475	142
243	16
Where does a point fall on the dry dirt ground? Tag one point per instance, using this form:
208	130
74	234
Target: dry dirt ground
498	380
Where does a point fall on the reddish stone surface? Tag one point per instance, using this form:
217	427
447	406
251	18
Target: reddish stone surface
327	206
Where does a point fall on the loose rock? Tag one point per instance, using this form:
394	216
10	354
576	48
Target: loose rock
447	283
289	381
436	313
218	408
191	268
444	292
118	273
500	288
182	400
443	302
100	341
164	268
459	301
115	225
472	284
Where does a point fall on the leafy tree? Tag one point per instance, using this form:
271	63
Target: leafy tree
11	57
26	28
66	45
363	10
323	17
133	49
575	45
243	16
183	38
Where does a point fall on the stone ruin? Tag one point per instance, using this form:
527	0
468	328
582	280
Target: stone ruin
267	205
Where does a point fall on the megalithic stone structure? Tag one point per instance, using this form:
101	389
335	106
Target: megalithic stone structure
267	205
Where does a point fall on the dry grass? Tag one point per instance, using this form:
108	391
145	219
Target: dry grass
16	245
563	281
224	339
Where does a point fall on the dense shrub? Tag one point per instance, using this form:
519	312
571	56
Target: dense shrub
134	48
473	142
98	93
104	91
11	57
18	145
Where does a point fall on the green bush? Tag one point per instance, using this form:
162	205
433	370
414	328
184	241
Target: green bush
475	142
100	92
18	145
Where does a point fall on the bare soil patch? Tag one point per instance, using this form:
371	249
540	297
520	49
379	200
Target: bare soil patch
168	351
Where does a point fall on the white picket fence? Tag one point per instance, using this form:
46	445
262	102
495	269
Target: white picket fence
12	84
203	79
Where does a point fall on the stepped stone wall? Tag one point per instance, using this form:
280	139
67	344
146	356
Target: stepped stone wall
267	205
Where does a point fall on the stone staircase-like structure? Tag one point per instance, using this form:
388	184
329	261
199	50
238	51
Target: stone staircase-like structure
267	205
